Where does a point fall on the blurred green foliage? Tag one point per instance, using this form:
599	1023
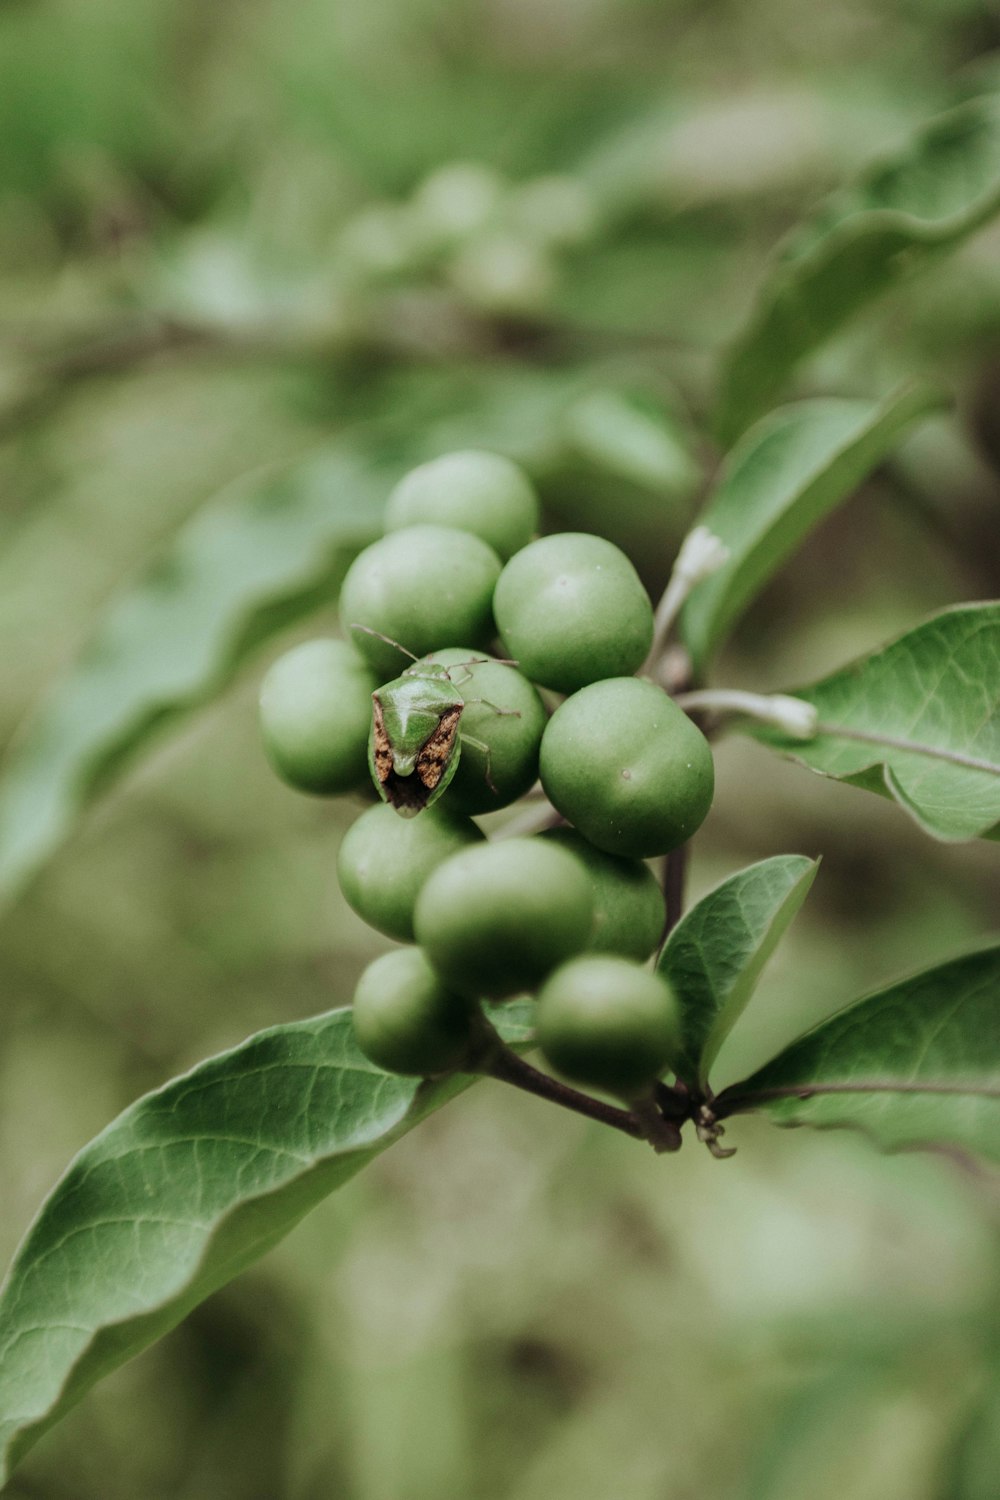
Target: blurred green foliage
211	259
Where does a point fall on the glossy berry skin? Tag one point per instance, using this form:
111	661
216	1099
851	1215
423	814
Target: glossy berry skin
572	610
607	1023
424	587
315	711
406	1020
496	919
627	768
473	491
629	911
384	861
499	749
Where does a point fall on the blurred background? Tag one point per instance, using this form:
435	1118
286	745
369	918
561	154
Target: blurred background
235	234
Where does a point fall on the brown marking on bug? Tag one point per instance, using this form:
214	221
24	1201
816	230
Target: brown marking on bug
437	748
405	793
381	750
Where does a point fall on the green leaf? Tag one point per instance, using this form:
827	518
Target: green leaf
779	482
716	953
918	721
635	439
182	1192
267	550
896	218
917	1064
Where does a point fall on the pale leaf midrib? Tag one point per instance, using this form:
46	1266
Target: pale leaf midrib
805	1091
911	747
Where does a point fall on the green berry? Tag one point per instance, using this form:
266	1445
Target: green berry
607	1023
496	919
627	768
406	1021
378	242
557	211
457	200
424	587
384	860
315	713
472	491
504	273
571	610
497	775
628	902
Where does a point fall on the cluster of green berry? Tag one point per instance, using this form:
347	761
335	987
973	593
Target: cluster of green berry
570	913
496	243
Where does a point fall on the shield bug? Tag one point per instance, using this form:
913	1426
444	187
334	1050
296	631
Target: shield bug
415	740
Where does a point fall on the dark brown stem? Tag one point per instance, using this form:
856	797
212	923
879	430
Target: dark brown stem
675	865
661	1133
674	876
675	1101
496	1060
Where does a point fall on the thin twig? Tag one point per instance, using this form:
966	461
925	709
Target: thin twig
674	878
793	716
661	1133
701	554
507	1067
534	819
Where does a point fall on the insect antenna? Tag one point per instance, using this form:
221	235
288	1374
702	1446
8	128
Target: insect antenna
478	661
387	638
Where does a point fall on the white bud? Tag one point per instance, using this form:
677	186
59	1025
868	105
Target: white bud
702	554
794	716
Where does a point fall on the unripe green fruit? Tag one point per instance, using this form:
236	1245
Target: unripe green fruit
423	586
406	1020
484	782
472	491
571	610
384	860
378	242
457	200
558	211
628	902
315	713
504	273
627	768
496	919
607	1023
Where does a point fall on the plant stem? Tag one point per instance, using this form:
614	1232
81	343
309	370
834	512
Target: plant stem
533	820
674	876
498	1061
662	1134
794	716
701	554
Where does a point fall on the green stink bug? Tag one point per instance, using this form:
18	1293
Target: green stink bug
415	744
